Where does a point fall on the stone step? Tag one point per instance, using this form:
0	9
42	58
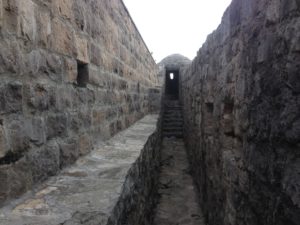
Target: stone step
175	130
173	108
173	134
172	124
173	120
173	116
173	112
172	127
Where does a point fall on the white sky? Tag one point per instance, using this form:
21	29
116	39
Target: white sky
176	26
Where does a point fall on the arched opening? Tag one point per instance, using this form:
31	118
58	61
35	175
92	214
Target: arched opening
172	84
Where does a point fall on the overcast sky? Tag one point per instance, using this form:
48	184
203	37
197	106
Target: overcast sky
176	26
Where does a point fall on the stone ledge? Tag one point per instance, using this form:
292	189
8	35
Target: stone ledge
110	185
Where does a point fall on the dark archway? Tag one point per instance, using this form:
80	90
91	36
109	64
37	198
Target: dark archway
172	84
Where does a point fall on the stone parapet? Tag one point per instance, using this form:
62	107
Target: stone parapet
114	184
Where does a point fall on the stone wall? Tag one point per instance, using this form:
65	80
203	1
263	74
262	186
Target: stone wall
140	190
72	73
242	115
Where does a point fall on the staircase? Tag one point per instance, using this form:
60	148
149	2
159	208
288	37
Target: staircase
172	119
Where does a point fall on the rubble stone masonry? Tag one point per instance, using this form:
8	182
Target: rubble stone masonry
241	98
72	73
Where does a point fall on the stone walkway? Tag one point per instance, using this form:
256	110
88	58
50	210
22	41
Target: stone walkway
177	204
86	192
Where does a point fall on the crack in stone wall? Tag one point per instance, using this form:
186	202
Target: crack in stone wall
241	114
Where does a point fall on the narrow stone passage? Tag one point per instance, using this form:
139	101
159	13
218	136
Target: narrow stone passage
178	201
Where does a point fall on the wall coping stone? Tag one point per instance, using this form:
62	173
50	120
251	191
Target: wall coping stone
87	190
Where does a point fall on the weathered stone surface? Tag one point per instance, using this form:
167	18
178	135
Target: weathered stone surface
64	8
43	21
82	49
56	126
69	152
11	97
43	46
17	136
71	70
27	20
177	203
114	184
1	13
36	131
44	162
241	113
62	38
3	144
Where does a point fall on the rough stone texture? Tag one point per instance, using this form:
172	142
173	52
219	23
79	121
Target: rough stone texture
241	112
178	198
47	119
171	62
114	184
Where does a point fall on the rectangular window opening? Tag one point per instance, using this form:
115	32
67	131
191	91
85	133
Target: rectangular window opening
82	74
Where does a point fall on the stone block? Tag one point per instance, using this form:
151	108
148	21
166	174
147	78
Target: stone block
263	51
82	49
273	12
17	136
37	97
79	15
54	67
291	181
10	21
69	152
85	96
35	63
20	178
98	116
94	77
85	118
64	98
96	55
289	7
293	134
84	144
64	8
62	38
3	142
27	20
1	13
37	132
44	162
70	70
43	27
56	125
11	97
74	122
4	182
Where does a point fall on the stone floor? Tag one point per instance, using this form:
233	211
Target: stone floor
87	191
177	203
